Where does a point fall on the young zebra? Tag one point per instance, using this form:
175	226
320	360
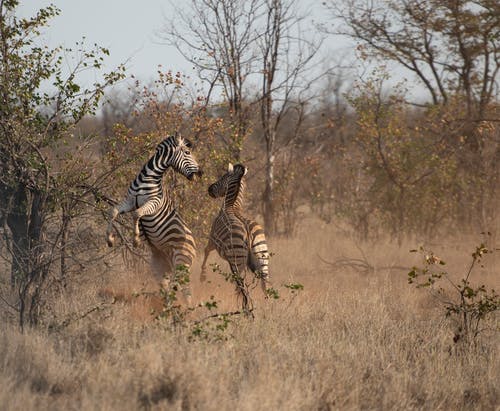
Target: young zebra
240	241
171	242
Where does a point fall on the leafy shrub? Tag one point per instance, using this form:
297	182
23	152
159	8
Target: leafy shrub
468	304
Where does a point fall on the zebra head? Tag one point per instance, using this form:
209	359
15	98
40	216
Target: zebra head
175	151
232	178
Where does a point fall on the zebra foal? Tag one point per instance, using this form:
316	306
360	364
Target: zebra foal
171	241
238	240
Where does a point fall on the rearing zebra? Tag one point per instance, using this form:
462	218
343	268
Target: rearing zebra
240	241
172	243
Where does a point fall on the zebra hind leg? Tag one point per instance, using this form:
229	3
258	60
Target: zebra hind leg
259	265
159	267
242	291
173	278
181	281
208	249
181	275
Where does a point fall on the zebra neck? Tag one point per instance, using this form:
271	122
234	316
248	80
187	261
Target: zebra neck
233	208
233	202
154	169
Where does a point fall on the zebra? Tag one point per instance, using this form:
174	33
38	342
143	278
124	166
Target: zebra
155	217
240	241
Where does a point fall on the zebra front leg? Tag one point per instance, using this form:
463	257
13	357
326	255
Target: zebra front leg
124	207
137	231
146	209
208	249
110	238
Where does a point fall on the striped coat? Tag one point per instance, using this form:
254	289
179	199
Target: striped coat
237	239
155	217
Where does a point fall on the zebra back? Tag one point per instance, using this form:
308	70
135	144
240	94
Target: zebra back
240	241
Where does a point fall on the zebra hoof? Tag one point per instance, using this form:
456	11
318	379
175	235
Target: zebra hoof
110	241
137	242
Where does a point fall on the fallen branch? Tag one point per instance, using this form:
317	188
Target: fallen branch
357	264
361	266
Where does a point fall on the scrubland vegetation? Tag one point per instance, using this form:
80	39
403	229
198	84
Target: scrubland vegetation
347	341
346	173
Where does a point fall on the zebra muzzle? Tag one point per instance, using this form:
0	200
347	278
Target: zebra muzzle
198	173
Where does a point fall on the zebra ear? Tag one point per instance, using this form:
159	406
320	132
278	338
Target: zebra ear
246	171
178	138
230	168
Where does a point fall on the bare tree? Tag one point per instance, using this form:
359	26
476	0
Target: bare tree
218	37
240	44
452	46
119	107
287	79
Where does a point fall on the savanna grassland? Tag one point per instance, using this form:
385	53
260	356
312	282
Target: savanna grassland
349	340
349	158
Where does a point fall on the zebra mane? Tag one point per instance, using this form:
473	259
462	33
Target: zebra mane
164	149
178	140
236	183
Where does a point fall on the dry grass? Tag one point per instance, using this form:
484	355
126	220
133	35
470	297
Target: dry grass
347	342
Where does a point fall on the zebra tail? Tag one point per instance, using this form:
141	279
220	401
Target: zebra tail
253	262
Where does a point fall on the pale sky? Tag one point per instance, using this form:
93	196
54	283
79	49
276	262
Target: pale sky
125	27
128	28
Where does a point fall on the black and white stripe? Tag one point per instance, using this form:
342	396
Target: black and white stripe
240	241
155	217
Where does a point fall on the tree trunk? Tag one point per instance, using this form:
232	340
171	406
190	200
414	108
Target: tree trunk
17	222
268	195
64	241
28	270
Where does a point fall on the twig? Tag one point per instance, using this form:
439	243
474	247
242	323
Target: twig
12	307
69	320
222	315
